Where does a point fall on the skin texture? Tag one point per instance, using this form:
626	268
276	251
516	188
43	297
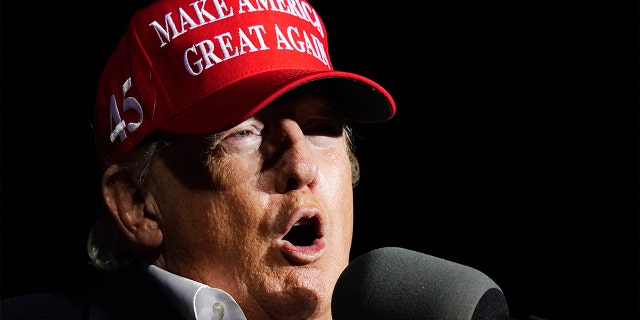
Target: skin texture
216	211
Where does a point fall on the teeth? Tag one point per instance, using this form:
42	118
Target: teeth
305	221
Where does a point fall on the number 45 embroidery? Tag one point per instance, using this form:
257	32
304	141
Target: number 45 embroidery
128	104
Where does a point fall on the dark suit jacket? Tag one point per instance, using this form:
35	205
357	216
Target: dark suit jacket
127	295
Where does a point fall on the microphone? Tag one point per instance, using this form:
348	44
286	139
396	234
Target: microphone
396	283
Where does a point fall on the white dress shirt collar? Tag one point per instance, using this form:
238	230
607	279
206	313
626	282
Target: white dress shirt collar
194	300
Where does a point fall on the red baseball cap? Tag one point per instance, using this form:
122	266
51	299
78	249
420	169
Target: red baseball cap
199	67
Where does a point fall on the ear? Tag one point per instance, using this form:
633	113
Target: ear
125	201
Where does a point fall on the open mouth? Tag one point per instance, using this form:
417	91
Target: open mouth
304	232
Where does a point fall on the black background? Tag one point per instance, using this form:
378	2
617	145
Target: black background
514	148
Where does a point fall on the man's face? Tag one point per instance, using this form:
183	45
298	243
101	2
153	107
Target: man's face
263	210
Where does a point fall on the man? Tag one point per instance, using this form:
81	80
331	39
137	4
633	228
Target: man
224	135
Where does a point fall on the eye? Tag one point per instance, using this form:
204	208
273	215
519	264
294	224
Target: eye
323	134
243	138
323	128
242	133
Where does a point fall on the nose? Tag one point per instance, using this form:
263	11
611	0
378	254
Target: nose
298	166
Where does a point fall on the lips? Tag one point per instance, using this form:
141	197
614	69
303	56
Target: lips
302	243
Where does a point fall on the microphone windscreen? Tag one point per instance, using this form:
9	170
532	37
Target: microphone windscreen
396	283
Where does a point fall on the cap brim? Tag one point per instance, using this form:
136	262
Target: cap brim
366	100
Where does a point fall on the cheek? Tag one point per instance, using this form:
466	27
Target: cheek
338	190
338	176
207	209
346	207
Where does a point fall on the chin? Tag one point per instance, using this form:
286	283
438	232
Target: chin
304	293
301	303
